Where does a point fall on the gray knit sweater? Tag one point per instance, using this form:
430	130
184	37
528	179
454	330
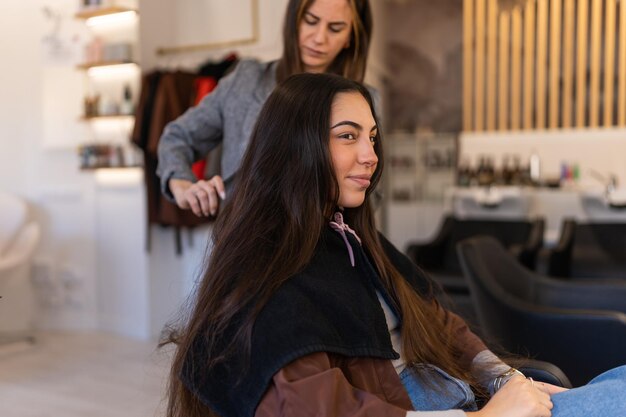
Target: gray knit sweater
227	116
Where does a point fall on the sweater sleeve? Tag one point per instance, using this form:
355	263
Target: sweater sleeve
191	136
486	366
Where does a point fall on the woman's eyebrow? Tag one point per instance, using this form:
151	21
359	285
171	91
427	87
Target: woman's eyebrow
353	124
348	123
339	22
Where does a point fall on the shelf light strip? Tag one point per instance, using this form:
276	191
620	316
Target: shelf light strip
114	18
116	69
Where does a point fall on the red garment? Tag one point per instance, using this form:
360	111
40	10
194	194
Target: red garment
202	86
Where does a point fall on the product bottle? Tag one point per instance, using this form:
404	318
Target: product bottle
127	101
535	168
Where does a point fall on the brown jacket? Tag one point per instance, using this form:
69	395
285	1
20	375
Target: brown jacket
330	385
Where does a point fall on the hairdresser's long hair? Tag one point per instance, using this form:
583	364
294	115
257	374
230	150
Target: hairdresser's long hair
284	196
351	61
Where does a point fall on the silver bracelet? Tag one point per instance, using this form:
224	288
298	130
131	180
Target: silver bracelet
502	379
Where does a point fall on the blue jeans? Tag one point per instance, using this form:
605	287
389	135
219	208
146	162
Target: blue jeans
432	389
603	396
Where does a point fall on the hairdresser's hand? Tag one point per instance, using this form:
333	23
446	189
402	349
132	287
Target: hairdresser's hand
202	197
519	397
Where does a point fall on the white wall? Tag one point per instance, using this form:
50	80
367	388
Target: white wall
167	23
47	176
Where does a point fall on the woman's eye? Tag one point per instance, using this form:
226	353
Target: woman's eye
310	20
373	139
347	136
335	29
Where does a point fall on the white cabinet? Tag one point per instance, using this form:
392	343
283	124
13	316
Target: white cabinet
123	280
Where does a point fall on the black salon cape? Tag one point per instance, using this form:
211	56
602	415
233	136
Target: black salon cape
329	307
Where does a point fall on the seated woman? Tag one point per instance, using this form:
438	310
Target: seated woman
306	310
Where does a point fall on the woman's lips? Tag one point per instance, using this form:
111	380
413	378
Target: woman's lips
362	180
314	52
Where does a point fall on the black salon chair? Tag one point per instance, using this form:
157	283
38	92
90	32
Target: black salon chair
543	371
522	238
588	250
578	326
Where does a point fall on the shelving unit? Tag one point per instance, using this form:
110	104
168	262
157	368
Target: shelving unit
111	83
420	166
418	169
89	65
107	117
90	12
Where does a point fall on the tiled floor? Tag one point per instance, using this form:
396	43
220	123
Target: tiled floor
82	375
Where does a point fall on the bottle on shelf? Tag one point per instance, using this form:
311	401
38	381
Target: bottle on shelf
486	172
534	166
126	107
507	170
464	174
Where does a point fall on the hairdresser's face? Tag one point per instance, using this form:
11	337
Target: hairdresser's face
324	32
352	137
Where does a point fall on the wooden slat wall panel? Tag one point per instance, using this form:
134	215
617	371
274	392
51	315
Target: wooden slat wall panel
542	64
621	95
516	67
529	64
503	70
555	63
492	62
569	13
548	64
468	63
594	59
609	61
479	57
582	45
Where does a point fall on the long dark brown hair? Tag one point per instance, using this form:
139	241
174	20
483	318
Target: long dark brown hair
284	196
351	61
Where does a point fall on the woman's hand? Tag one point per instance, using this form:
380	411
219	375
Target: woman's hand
519	397
202	197
549	388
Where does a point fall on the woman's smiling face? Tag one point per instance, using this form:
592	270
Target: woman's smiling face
353	134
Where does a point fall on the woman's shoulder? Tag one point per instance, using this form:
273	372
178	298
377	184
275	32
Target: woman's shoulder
252	69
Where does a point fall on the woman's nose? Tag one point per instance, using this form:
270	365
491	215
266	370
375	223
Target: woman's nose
320	34
367	155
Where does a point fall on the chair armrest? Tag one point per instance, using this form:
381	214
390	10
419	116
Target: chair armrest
583	343
544	372
22	248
